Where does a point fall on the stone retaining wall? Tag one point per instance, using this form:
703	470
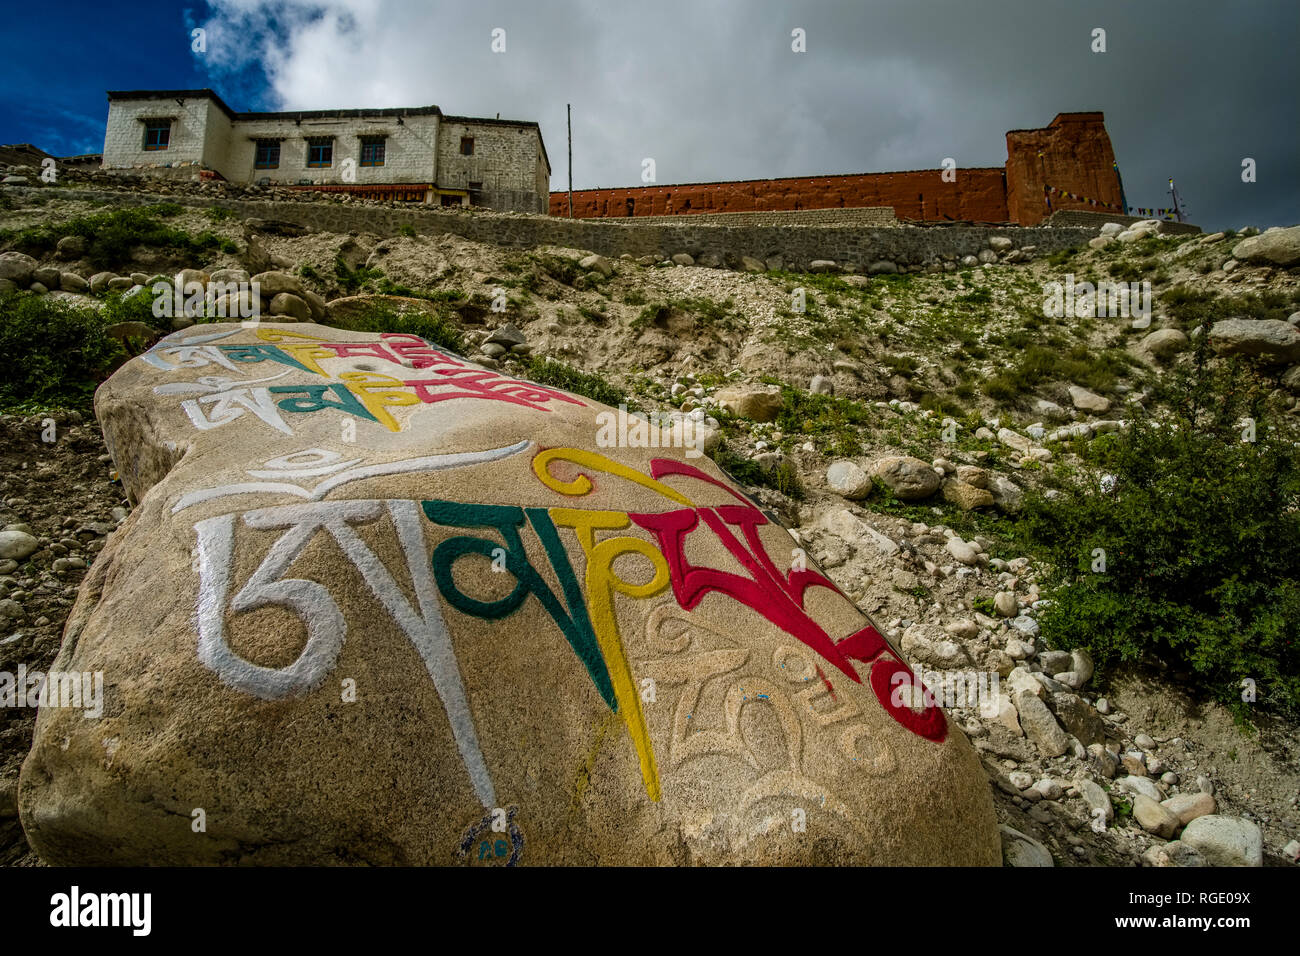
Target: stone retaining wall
1079	217
853	247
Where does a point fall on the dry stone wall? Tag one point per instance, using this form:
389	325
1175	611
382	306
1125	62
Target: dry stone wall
852	247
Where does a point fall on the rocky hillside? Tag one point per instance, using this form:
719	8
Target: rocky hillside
899	422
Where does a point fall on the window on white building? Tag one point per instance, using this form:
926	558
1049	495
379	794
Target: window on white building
157	133
320	151
268	154
372	150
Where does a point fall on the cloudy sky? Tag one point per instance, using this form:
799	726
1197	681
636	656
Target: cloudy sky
711	89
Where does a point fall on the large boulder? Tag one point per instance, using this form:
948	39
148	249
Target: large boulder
1225	841
271	284
1270	340
17	267
910	479
761	403
377	604
1163	343
848	480
1276	247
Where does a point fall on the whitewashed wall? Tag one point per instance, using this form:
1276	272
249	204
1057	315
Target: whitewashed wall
507	160
124	136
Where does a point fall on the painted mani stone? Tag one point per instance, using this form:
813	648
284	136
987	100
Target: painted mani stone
379	605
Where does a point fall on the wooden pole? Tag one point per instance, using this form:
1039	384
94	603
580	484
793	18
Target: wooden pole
568	108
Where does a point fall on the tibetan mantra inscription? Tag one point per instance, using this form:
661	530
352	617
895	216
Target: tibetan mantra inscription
377	604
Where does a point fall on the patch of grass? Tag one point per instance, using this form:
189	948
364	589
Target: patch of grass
1061	257
706	312
1037	364
406	229
824	282
546	371
783	478
833	422
352	280
112	236
904	365
438	329
980	296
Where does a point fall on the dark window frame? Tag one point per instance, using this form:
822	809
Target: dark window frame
272	148
326	161
376	147
153	142
464	141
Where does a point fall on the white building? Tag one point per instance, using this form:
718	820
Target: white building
412	153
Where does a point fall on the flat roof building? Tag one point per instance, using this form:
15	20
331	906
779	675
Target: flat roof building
408	153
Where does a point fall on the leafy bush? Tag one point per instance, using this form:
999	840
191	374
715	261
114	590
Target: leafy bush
1201	538
558	375
57	353
705	311
783	478
1036	364
833	422
438	329
111	236
353	279
1192	307
904	365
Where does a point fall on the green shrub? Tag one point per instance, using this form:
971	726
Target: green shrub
558	375
57	352
980	296
904	365
705	311
353	279
112	236
406	229
439	329
833	422
783	478
1201	539
1036	364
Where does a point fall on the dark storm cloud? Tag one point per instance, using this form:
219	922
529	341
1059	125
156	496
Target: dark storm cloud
711	90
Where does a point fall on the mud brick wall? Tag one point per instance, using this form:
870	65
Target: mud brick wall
977	195
1072	153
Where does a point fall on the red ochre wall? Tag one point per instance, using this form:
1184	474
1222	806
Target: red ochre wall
1077	158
